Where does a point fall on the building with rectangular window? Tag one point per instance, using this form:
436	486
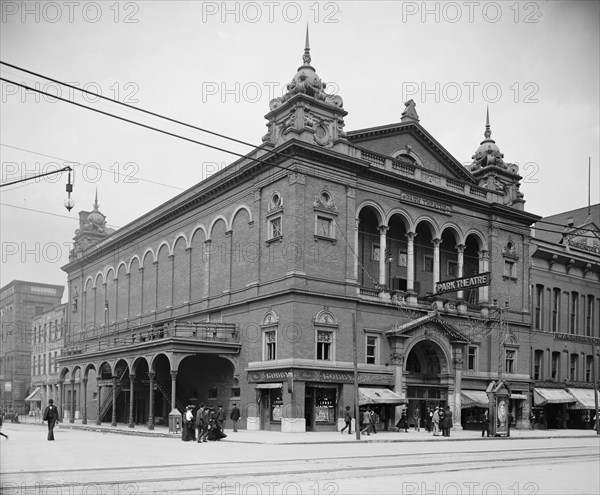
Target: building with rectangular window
565	285
20	303
253	285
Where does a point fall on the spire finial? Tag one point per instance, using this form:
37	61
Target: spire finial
96	205
306	56
487	132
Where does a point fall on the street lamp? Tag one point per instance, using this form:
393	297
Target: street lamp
69	203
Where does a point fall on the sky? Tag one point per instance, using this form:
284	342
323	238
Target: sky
216	65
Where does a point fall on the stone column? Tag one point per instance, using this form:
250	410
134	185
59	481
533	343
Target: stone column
458	362
84	415
131	420
188	252
59	399
356	224
410	255
460	249
72	412
207	257
99	418
382	249
114	401
173	389
172	265
484	261
436	262
151	376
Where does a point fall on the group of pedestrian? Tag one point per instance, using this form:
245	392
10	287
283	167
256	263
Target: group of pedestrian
442	421
206	424
369	420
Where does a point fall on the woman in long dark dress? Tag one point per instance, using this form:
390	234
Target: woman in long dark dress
215	431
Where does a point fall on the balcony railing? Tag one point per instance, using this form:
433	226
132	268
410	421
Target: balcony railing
196	331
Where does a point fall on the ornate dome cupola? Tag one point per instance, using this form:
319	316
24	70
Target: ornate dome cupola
492	172
92	229
305	111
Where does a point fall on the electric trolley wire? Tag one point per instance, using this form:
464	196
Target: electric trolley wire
226	150
191	126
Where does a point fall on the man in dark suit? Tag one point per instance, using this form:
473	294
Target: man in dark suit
51	415
235	416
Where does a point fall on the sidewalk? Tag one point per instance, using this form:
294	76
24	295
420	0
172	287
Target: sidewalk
327	437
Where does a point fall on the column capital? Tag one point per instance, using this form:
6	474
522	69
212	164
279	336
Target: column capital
460	248
173	374
151	375
411	236
436	242
383	229
84	380
72	381
484	254
131	377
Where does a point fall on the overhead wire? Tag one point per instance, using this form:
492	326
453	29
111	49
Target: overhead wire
203	130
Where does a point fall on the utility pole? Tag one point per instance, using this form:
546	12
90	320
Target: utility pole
597	421
355	358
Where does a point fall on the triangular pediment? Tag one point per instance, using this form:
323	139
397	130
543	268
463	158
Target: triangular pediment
432	324
409	141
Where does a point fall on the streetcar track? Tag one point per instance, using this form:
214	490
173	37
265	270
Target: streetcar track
356	471
216	464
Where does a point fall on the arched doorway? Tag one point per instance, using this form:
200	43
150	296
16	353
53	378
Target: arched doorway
426	378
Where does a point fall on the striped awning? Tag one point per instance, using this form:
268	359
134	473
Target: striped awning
585	398
375	395
543	396
474	398
35	396
269	385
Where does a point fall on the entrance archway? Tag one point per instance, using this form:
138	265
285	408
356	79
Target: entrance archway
426	378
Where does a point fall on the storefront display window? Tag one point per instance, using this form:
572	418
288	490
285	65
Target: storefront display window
325	406
276	405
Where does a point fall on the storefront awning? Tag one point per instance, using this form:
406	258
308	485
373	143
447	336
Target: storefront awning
374	395
35	396
543	396
518	396
584	397
269	385
474	398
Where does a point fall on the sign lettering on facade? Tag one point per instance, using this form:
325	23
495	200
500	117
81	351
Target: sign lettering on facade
425	202
577	338
480	280
321	376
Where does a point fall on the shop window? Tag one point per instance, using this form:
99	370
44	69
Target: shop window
511	357
537	365
556	365
472	359
276	402
325	405
372	349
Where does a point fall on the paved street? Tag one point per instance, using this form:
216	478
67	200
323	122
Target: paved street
84	461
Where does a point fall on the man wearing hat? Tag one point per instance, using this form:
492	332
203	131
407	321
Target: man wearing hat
50	414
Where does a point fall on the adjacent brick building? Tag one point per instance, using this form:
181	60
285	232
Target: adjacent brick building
20	302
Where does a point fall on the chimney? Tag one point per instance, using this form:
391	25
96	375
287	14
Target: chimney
570	222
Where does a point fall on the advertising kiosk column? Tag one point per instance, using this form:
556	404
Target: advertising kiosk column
499	397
